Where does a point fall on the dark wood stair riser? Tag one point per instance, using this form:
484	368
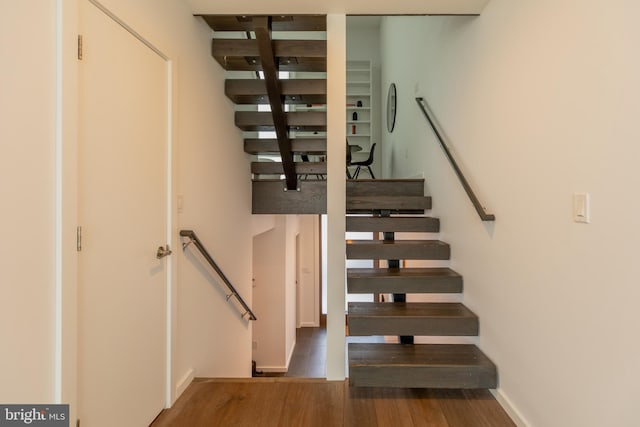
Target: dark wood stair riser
399	249
400	224
404	280
423	319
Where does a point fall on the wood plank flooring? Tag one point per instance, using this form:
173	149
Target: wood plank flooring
310	402
317	402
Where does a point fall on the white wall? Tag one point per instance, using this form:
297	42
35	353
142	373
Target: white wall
539	100
268	299
309	286
275	292
27	188
363	43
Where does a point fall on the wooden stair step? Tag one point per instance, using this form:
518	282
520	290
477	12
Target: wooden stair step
290	55
398	249
403	280
302	168
393	223
399	204
460	366
295	91
263	121
281	48
417	318
298	146
385	187
270	197
278	22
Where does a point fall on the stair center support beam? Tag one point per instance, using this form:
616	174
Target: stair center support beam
389	236
262	28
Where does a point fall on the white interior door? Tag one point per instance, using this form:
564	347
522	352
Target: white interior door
123	213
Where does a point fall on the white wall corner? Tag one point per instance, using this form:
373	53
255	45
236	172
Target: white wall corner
183	383
509	407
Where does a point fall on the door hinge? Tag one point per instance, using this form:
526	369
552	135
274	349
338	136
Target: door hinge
79	238
80	47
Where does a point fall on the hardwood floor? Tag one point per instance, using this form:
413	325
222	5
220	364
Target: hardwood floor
316	402
305	399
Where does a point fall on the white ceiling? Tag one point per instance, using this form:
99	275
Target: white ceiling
356	7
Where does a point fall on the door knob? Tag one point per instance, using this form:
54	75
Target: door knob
163	252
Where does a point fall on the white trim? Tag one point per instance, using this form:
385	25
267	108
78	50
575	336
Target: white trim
184	382
336	189
58	190
510	408
133	32
277	369
290	356
309	324
170	225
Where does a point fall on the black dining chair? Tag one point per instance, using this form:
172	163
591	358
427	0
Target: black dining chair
365	163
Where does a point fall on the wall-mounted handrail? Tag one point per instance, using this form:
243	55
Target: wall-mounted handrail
484	216
191	235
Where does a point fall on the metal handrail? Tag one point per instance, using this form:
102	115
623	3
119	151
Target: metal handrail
484	216
191	235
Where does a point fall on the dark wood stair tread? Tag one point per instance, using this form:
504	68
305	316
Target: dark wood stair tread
298	146
393	223
398	249
422	366
274	168
414	318
385	187
290	55
294	91
400	204
263	121
269	197
403	280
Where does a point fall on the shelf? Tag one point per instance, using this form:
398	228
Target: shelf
358	88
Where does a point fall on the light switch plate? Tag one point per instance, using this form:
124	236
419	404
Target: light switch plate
581	208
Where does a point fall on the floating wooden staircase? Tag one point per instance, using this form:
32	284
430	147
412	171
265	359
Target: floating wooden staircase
388	202
257	49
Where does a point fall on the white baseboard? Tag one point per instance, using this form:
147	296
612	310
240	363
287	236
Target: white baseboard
309	325
271	368
184	383
509	408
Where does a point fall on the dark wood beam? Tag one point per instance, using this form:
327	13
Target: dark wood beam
262	28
